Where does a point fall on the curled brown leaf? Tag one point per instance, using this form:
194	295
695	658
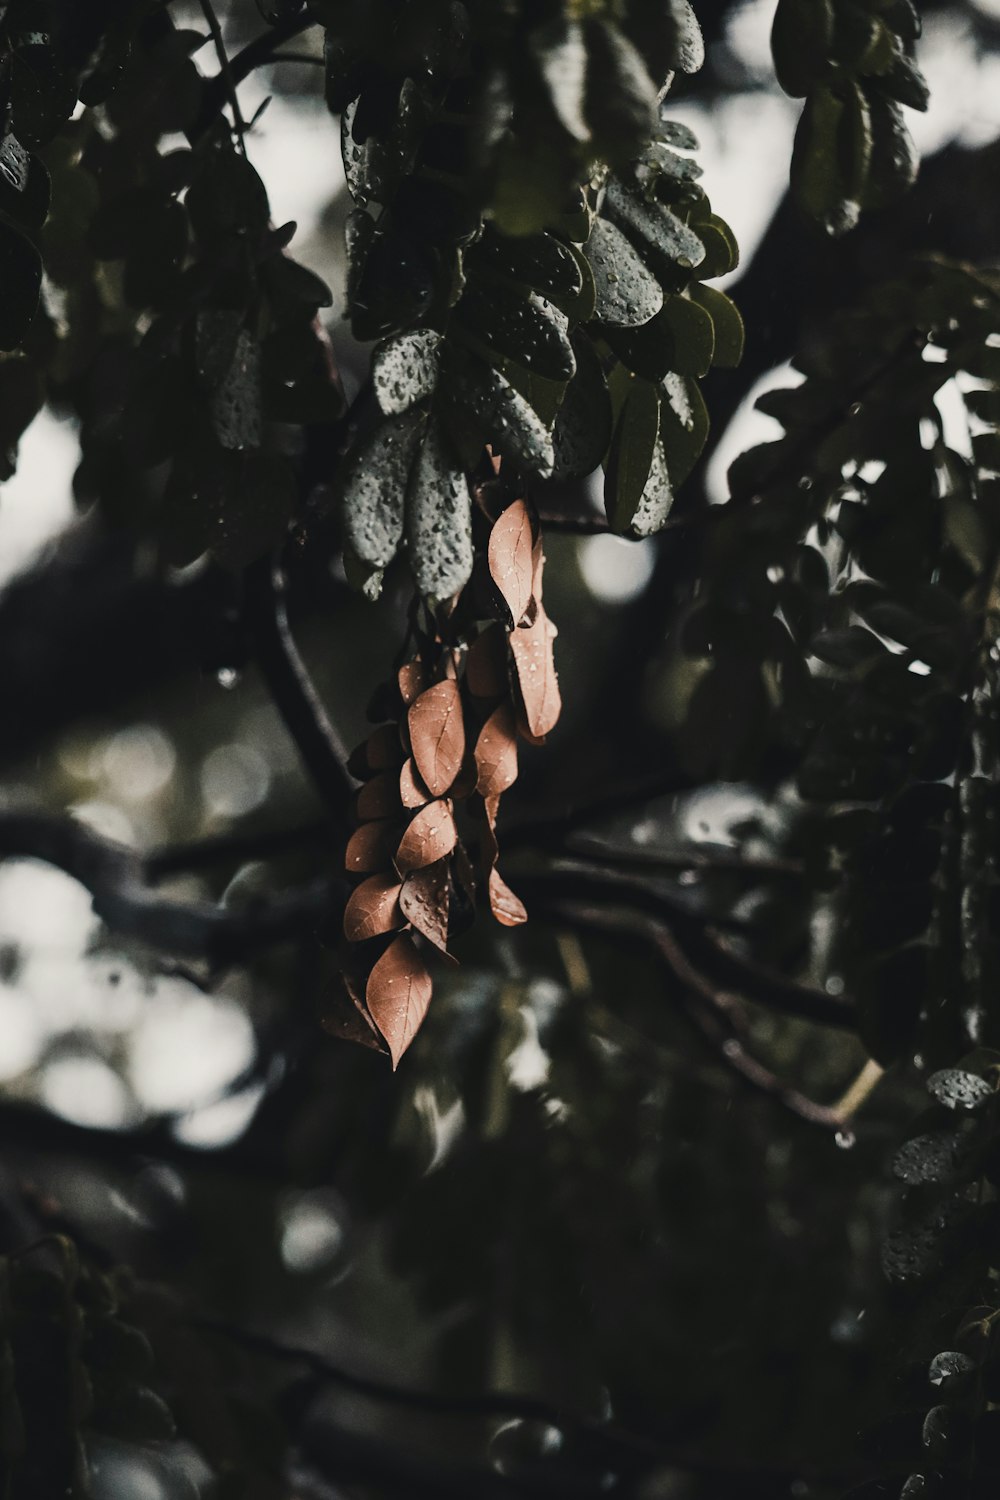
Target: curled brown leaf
412	791
509	556
425	900
430	835
369	848
536	674
398	994
496	753
373	908
505	905
437	734
411	679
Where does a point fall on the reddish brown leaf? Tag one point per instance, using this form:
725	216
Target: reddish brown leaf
505	906
368	849
495	459
437	735
412	791
425	900
430	836
486	664
379	798
373	908
490	848
346	1017
383	750
537	568
509	555
496	753
536	674
398	994
411	680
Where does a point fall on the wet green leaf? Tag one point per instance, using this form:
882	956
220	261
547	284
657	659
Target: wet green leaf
438	519
373	488
627	293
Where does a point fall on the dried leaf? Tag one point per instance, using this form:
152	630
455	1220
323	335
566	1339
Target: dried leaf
379	798
430	835
382	748
346	1017
510	558
486	664
437	734
373	908
412	791
536	674
411	680
505	906
368	848
398	994
425	900
496	753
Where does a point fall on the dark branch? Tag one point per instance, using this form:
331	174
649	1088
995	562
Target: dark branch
292	689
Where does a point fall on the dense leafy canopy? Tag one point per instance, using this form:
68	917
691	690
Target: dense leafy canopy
530	259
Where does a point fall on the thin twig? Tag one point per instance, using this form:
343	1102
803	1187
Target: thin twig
292	689
225	73
254	55
711	1010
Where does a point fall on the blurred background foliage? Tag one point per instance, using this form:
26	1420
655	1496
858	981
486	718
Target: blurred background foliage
577	1187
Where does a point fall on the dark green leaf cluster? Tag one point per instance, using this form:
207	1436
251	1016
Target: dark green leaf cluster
852	62
74	1367
850	601
174	324
943	1252
561	319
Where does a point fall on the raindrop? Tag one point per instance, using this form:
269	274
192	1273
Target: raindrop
947	1365
845	1139
227	677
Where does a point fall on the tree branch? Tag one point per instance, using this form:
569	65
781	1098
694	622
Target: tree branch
291	687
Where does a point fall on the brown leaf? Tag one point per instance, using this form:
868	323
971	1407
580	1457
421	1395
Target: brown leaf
490	848
505	906
496	753
411	679
536	674
486	664
369	848
425	901
437	734
509	555
373	908
383	750
494	458
379	798
430	836
398	994
412	791
346	1017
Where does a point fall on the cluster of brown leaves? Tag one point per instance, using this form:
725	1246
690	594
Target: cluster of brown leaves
433	776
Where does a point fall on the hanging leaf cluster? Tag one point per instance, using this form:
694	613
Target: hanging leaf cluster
483	676
565	337
852	62
75	1367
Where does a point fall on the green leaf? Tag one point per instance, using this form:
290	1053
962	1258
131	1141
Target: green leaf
560	54
483	407
519	325
801	38
819	182
405	370
632	455
665	237
683	426
693	334
438	519
722	253
894	159
25	188
727	322
582	427
537	261
627	293
373	487
621	96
